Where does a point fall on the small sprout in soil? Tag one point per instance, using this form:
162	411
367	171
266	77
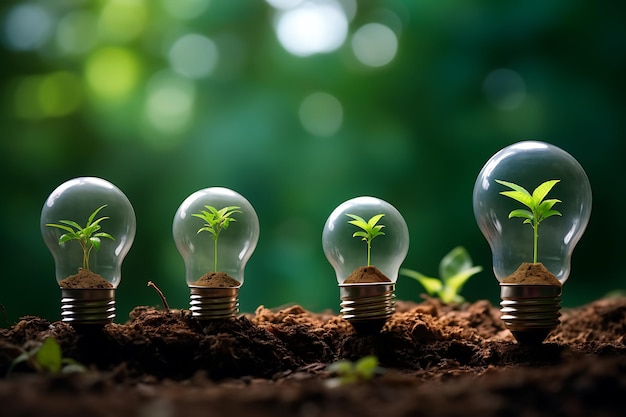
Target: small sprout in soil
540	209
369	230
348	372
158	290
216	221
454	269
88	236
47	358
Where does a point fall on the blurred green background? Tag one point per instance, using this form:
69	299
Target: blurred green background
299	106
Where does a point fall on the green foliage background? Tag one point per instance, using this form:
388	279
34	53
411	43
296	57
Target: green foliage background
415	133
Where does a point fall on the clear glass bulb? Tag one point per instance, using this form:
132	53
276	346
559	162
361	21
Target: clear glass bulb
531	307
235	245
529	164
76	200
367	306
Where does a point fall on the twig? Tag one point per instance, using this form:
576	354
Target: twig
153	285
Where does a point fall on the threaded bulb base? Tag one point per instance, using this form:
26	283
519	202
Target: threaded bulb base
91	306
213	303
367	306
530	312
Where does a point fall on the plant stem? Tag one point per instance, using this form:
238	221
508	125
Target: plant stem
535	240
165	305
369	251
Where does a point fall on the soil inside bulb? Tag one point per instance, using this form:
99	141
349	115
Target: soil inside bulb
532	274
366	274
217	279
85	279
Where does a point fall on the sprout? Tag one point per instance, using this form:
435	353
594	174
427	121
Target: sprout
216	221
86	236
540	209
369	230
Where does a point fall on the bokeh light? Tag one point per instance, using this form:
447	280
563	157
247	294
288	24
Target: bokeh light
374	44
122	20
312	27
186	9
504	88
169	104
75	34
321	114
112	72
28	26
194	56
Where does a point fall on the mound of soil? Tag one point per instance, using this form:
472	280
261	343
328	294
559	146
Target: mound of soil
437	360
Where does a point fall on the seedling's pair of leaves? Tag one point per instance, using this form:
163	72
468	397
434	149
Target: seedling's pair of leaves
86	235
216	220
540	209
454	270
47	358
369	228
349	372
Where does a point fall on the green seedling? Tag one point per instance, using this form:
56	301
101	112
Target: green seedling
454	269
369	231
216	221
47	358
89	236
348	372
540	209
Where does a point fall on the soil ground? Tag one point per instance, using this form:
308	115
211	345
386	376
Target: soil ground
438	361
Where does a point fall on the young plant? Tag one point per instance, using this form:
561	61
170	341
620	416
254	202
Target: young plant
454	269
369	230
88	237
540	209
47	358
348	372
216	221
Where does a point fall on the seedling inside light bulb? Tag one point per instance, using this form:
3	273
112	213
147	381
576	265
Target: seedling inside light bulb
88	237
369	231
216	221
540	209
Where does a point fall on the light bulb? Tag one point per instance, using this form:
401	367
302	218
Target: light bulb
531	309
88	270
216	231
366	305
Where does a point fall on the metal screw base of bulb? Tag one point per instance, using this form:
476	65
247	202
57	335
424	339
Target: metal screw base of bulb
530	312
367	306
212	303
92	306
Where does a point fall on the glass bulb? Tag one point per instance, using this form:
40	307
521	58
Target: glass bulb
367	305
88	299
208	249
529	164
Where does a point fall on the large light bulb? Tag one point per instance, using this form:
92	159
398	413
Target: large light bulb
97	229
531	307
216	231
366	268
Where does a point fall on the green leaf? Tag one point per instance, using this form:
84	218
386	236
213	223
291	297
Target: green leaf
526	200
543	189
93	215
453	262
366	367
524	214
456	282
372	222
360	233
341	367
431	285
49	356
551	213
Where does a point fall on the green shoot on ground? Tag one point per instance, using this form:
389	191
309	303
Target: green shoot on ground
348	372
454	269
47	358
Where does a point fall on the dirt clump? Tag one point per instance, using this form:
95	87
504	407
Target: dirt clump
217	280
532	274
366	275
85	279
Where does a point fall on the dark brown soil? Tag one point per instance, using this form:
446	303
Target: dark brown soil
85	279
217	279
366	274
532	274
438	360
